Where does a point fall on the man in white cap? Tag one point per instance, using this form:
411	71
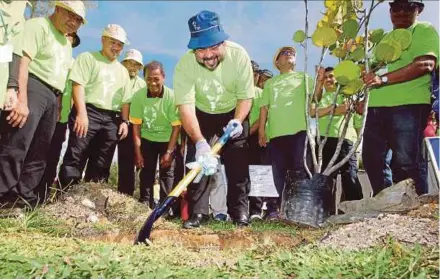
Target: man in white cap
99	117
283	99
126	167
27	129
213	84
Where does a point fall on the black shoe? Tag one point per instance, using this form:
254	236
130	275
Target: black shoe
241	220
195	221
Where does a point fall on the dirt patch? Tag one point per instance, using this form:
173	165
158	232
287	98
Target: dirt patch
91	209
405	229
239	239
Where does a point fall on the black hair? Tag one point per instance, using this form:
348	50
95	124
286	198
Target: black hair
329	69
153	65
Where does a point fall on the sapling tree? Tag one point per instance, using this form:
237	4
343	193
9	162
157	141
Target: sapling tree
344	33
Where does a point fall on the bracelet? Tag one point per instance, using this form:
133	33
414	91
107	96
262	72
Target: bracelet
170	152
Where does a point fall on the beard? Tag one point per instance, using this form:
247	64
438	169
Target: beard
210	63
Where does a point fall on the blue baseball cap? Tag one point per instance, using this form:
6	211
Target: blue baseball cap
206	30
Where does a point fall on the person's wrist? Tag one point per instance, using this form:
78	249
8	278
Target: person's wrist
170	152
201	142
127	122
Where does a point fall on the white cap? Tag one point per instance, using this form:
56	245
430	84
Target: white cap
116	32
134	55
76	7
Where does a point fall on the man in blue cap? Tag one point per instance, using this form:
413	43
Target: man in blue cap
213	85
400	102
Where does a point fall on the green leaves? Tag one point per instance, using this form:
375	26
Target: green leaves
353	87
299	36
401	36
387	51
350	28
376	35
324	37
347	71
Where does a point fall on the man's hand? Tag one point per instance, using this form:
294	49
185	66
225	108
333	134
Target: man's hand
262	139
11	99
321	74
166	160
372	80
360	107
342	109
138	159
123	131
202	148
81	125
235	127
18	115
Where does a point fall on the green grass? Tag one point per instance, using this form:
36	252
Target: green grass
25	256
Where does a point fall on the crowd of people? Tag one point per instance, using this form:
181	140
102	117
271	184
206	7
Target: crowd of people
105	105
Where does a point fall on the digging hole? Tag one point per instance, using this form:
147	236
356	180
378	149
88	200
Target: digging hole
212	241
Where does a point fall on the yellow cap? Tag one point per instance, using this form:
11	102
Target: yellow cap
76	7
116	32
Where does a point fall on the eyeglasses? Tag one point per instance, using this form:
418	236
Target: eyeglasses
403	7
287	52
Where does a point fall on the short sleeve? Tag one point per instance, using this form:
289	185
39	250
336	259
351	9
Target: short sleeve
265	96
183	83
426	41
245	78
81	69
136	108
32	39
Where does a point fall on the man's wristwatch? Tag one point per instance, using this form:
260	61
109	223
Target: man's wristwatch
127	122
170	152
384	79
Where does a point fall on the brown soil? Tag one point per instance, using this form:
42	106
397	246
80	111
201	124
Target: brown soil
239	239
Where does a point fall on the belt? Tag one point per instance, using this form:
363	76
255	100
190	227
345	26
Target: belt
105	111
55	91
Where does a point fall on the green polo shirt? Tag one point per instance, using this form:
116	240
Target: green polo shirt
425	41
285	96
157	115
106	83
217	91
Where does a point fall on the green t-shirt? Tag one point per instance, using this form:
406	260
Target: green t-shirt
425	41
66	104
285	96
106	83
337	124
136	84
255	109
217	91
49	50
156	115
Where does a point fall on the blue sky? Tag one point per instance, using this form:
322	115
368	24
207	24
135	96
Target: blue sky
159	28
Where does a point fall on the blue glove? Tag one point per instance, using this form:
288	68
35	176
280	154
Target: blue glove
236	128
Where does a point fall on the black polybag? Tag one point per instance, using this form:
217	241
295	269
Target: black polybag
306	201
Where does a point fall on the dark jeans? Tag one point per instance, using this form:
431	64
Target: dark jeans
352	189
53	158
235	158
152	151
126	168
98	147
23	151
400	129
286	153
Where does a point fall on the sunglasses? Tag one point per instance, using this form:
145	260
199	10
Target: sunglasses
403	7
286	52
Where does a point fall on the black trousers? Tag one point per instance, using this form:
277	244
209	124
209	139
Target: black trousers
235	157
352	189
98	147
53	158
152	151
126	167
23	150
